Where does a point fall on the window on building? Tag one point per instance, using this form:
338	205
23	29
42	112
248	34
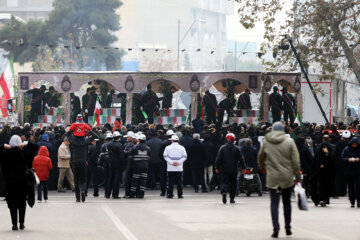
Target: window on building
12	3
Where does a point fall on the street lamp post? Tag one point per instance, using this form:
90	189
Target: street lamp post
180	41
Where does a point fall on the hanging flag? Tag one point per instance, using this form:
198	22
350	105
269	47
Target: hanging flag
298	120
97	113
7	88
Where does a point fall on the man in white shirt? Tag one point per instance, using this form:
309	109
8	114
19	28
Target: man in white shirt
175	155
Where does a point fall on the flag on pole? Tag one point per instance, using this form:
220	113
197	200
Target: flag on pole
7	88
97	113
298	120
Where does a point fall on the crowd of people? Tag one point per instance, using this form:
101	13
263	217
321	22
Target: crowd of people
326	159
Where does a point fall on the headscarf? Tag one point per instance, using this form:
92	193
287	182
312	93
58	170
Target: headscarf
15	140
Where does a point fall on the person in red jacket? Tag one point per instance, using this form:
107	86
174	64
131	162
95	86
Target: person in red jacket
79	127
42	165
117	125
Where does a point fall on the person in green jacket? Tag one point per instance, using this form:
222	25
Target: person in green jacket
279	158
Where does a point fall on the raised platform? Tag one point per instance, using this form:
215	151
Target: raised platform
245	116
172	116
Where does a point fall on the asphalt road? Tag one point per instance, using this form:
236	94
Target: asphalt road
197	216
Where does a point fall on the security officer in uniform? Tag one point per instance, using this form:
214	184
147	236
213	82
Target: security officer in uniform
210	104
275	103
116	155
289	105
244	100
131	142
104	161
140	162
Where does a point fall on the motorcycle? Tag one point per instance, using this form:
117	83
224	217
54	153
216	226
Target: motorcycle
247	182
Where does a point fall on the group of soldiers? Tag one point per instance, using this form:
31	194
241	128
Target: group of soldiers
41	99
279	104
148	104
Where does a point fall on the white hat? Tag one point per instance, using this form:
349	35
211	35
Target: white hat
346	134
170	132
108	135
130	134
174	137
116	134
141	137
136	135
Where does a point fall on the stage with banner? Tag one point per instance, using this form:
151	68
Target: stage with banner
135	83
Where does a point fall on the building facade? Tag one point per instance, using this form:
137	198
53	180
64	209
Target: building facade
27	9
150	30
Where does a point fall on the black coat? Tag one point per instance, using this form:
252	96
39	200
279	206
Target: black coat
229	158
351	168
92	156
275	102
150	101
210	102
197	155
328	161
250	156
167	100
75	105
79	148
155	146
305	155
116	154
37	100
289	102
14	163
210	152
198	125
244	101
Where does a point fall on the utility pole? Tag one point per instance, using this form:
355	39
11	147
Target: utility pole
235	60
178	47
288	38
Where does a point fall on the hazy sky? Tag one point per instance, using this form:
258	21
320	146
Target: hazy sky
236	31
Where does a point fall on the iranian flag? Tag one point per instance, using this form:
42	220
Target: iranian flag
97	113
298	120
6	86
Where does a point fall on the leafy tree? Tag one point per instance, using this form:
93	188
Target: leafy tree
80	30
21	39
325	32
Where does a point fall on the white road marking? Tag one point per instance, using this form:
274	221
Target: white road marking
118	223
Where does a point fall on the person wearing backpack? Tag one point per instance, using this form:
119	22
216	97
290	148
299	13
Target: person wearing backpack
42	165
